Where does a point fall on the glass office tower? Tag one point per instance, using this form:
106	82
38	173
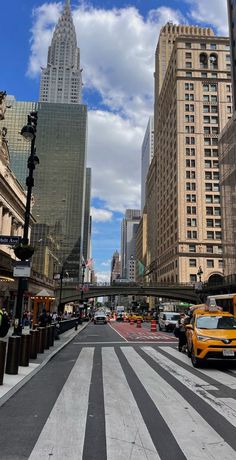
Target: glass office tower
19	149
60	188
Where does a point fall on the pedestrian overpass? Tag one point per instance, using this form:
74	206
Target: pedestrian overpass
182	292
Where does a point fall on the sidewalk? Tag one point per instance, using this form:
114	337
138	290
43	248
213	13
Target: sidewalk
12	383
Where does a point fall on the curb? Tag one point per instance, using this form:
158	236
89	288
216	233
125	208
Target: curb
20	384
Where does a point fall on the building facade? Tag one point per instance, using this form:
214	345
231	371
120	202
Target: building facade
192	105
129	228
19	149
232	35
61	79
60	187
115	266
147	155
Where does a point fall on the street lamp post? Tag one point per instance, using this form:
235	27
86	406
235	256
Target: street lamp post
82	284
23	251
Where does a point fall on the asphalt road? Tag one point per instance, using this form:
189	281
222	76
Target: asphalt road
105	398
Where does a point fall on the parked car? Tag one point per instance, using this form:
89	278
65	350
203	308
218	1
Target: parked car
100	318
168	320
211	335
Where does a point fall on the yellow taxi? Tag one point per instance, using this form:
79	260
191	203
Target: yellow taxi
135	317
211	334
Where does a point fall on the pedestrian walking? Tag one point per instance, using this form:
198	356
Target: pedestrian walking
180	332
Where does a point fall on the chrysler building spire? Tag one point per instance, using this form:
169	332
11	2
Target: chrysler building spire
61	79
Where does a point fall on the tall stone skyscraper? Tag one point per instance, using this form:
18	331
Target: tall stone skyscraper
147	155
129	228
192	106
61	79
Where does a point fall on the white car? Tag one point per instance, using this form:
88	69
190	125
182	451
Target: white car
100	318
168	320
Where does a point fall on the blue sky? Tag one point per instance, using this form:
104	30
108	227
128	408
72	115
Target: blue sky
117	40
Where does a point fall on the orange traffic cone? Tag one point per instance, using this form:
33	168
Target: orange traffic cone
139	323
153	325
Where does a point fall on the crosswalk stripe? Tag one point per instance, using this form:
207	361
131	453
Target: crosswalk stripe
219	376
192	382
196	438
127	436
63	434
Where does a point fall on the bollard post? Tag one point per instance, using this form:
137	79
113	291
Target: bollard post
52	334
47	337
34	343
13	355
3	347
25	349
41	339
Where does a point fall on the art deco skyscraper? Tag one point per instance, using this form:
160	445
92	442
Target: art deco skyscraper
61	79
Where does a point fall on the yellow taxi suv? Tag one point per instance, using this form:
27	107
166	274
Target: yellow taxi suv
211	335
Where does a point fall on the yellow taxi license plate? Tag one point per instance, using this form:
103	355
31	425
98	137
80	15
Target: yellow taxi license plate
228	352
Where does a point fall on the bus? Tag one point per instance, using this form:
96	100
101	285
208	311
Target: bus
226	301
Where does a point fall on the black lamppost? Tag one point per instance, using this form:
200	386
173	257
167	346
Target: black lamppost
23	250
82	284
61	285
200	273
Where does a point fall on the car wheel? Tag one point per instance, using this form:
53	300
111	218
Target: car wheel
196	362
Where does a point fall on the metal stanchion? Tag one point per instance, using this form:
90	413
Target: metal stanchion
34	344
41	341
13	355
25	349
3	347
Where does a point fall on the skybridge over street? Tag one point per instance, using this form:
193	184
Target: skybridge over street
182	292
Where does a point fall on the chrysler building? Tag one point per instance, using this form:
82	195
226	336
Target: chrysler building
61	79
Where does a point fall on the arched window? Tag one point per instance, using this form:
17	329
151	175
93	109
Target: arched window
203	61
213	61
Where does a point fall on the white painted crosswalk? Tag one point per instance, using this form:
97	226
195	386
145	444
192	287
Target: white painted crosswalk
133	377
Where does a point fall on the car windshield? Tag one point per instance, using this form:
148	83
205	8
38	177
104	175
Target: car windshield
172	317
216	322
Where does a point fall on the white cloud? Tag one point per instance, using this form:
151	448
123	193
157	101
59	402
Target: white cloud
103	277
211	12
114	155
101	215
107	263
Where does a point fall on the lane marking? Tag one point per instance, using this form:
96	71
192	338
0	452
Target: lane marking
196	438
191	381
127	436
118	333
63	434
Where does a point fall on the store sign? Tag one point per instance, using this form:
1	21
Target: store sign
12	240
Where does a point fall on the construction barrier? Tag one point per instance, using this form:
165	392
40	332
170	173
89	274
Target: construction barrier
139	323
153	325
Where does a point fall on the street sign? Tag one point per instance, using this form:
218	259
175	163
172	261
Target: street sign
12	240
22	269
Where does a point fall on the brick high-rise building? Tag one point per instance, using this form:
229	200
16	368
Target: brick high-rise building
192	105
